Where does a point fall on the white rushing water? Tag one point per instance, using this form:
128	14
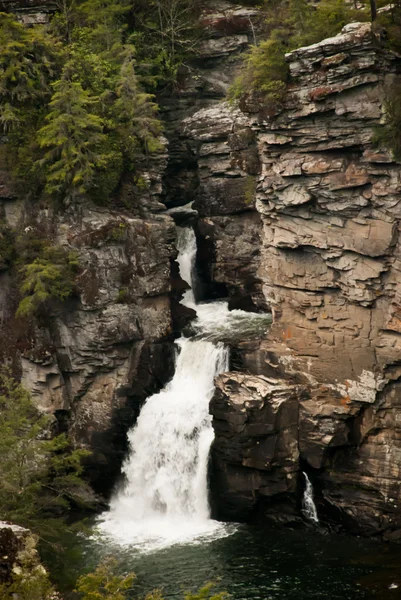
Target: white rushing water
308	504
165	497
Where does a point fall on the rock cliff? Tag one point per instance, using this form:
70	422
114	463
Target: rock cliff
328	264
93	359
298	213
20	558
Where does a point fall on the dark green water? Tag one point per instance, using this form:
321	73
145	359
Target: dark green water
251	564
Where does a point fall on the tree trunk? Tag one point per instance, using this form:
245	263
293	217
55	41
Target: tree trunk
373	9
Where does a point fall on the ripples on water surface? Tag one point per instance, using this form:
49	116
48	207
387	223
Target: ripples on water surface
252	564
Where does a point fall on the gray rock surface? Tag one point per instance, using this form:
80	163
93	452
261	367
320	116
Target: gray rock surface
255	453
92	360
328	199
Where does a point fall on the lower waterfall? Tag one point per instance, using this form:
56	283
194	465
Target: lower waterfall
308	503
165	496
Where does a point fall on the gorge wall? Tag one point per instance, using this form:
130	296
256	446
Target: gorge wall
92	360
298	213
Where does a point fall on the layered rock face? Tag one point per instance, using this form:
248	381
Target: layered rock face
298	213
213	158
255	454
329	202
30	11
93	359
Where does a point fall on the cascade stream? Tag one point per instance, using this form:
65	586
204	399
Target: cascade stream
165	496
308	503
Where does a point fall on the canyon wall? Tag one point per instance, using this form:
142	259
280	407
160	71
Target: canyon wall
93	359
328	266
298	213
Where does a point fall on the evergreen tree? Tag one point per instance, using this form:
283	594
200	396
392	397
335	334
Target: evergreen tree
38	473
105	20
72	139
50	275
104	584
28	60
135	116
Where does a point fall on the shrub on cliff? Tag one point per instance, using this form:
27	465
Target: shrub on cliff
30	581
389	133
51	274
40	475
289	24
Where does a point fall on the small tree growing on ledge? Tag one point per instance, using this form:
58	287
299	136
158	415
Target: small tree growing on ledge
39	473
72	138
389	133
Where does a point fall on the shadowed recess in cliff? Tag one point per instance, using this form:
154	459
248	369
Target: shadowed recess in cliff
165	496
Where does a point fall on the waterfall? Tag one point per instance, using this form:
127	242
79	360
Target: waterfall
165	496
164	499
186	246
308	504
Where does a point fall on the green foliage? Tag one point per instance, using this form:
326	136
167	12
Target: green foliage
103	584
7	245
389	133
123	295
206	593
165	34
289	24
326	21
71	103
28	60
390	20
50	275
72	139
30	580
134	116
105	20
39	474
266	71
249	189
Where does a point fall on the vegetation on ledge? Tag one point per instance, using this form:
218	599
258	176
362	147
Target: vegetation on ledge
76	107
40	473
290	24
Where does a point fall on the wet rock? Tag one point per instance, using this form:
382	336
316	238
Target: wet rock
255	451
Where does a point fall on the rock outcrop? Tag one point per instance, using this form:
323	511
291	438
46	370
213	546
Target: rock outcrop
256	455
19	558
92	360
329	199
213	159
